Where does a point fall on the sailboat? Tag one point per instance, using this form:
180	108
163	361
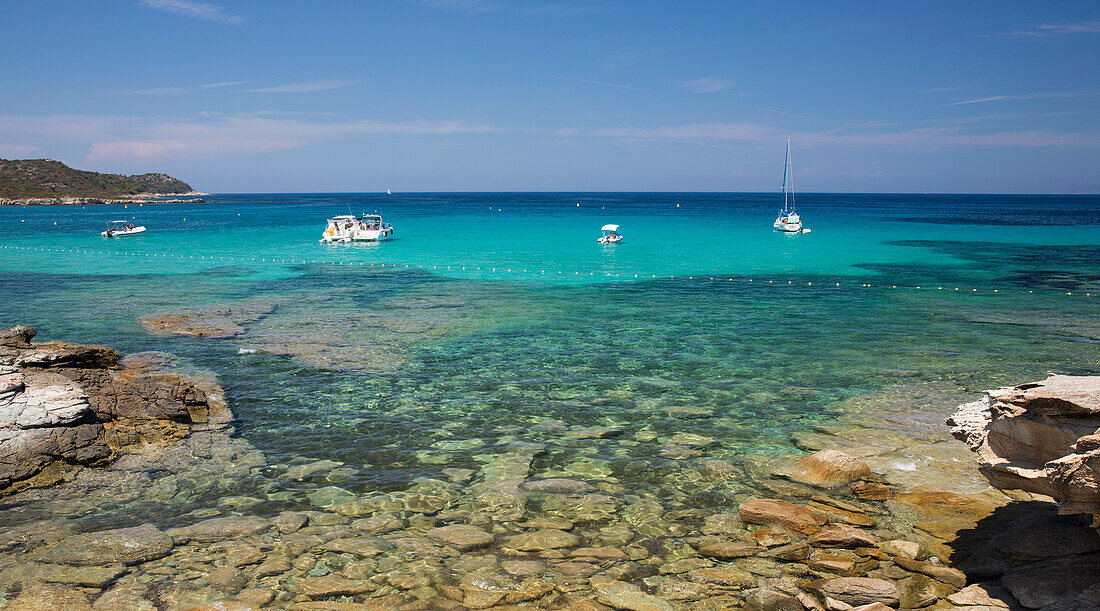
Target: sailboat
388	192
788	220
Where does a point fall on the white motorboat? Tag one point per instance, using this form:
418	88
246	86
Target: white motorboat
119	229
610	235
788	220
348	228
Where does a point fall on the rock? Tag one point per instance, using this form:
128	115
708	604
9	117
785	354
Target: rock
220	529
18	336
88	576
543	539
49	597
842	535
787	515
215	321
945	574
872	491
729	549
723	524
763	599
1026	438
862	591
976	595
290	522
826	468
364	547
770	536
723	576
377	524
916	591
556	485
132	545
300	472
620	595
680	590
1049	582
331	585
790	552
462	537
599	553
899	547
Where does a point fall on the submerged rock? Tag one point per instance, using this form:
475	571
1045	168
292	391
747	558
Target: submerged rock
215	321
862	591
462	537
787	515
826	468
132	545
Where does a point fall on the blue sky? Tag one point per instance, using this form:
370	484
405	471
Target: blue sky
437	95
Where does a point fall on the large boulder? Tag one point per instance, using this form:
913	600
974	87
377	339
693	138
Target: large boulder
779	513
1041	438
826	468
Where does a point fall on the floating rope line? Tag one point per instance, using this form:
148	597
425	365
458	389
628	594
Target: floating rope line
771	282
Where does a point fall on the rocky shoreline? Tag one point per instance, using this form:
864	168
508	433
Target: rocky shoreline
144	198
848	526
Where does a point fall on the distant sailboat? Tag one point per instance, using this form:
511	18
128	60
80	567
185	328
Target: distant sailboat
788	221
388	192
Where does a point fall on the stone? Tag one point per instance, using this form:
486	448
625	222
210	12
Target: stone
543	539
790	516
462	537
680	590
790	552
723	576
726	550
18	336
1026	438
976	595
220	529
214	321
723	524
331	585
599	553
290	522
556	485
364	547
377	525
90	576
842	535
872	491
899	547
916	591
49	597
770	536
945	574
764	599
862	591
256	597
1048	582
132	545
620	595
827	468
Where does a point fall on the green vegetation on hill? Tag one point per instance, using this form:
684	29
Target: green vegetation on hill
44	178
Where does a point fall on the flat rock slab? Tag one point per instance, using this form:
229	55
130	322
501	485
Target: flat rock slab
220	529
826	468
862	591
621	595
556	485
132	545
331	585
723	576
787	515
364	547
842	535
461	537
1045	583
543	539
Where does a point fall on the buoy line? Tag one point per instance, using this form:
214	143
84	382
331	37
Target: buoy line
532	271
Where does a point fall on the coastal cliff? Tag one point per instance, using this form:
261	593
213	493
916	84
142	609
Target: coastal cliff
64	406
47	181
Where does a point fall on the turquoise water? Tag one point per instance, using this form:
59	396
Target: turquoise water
490	314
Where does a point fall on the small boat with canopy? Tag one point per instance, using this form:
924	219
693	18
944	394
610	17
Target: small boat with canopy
610	235
349	228
119	229
788	221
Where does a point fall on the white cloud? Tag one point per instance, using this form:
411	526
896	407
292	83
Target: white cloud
223	84
307	86
1047	30
709	84
195	10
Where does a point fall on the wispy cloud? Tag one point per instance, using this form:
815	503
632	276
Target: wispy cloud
709	84
910	138
195	10
307	86
1023	96
122	138
942	89
1047	30
223	84
617	85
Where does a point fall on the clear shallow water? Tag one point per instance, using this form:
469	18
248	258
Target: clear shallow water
400	367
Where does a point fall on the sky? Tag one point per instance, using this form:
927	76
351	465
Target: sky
560	95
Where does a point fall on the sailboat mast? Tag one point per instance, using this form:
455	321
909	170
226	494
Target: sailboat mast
786	163
790	171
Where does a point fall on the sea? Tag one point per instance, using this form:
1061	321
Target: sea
491	318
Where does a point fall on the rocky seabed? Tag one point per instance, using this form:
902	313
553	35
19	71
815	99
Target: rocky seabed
830	530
